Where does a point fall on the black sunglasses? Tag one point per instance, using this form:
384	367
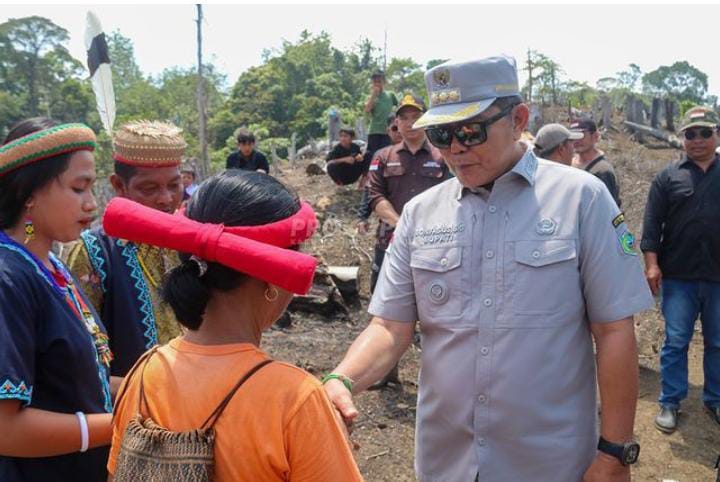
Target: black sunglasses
705	133
468	134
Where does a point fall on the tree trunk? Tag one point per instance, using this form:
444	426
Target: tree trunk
656	133
202	134
292	151
655	114
606	107
670	114
530	77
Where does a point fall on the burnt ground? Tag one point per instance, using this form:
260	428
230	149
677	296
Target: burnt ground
384	432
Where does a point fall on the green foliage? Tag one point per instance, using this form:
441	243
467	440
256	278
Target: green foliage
293	90
628	79
680	81
298	84
34	63
544	82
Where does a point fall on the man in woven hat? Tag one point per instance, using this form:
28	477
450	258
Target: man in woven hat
512	269
122	279
681	244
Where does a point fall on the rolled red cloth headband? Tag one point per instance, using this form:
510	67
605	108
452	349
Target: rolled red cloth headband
258	251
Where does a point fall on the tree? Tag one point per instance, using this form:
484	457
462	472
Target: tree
404	75
544	77
292	91
680	81
125	69
628	79
35	59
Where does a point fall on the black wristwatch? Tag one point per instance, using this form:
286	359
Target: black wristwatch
626	453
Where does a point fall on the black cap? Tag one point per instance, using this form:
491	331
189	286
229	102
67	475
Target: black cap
583	125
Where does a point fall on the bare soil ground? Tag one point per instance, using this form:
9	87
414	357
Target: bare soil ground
385	429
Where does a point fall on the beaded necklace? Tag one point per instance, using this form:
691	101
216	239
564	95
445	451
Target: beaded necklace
63	285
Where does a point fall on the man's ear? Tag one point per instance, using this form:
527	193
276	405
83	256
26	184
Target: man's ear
520	117
118	184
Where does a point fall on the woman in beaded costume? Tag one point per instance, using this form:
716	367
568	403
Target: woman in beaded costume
55	399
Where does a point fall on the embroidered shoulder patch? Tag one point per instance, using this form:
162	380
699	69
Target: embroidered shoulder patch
618	220
627	243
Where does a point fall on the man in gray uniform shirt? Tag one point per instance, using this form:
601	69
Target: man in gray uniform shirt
511	269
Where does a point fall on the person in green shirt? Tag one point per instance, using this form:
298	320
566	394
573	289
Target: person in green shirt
379	106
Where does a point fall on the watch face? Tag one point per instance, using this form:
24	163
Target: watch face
631	453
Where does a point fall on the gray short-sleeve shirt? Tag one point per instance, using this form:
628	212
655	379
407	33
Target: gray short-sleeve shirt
505	284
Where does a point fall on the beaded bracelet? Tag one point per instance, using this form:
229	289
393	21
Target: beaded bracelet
347	381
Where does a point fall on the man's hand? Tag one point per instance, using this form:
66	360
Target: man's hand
341	398
654	278
606	468
358	157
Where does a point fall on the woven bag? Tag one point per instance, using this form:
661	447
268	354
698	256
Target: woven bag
151	453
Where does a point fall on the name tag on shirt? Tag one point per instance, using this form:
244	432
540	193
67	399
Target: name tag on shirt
431	164
393	164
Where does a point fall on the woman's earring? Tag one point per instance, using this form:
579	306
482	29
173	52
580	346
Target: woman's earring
271	294
29	230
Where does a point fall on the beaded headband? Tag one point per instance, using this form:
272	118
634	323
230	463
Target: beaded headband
44	144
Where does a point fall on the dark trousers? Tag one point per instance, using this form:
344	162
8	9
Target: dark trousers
375	268
374	143
344	174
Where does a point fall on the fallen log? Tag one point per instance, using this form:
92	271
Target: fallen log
656	133
346	279
323	299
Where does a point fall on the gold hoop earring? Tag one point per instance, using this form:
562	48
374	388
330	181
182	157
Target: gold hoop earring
271	294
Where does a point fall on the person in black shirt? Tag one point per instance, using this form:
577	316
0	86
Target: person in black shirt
591	159
246	157
681	244
344	161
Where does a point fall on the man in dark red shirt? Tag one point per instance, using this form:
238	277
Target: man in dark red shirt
397	174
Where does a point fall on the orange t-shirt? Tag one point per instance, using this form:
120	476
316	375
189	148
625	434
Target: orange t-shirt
280	425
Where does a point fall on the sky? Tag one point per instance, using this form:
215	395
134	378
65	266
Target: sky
588	41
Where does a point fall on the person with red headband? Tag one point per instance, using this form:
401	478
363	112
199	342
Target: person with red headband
239	269
55	400
123	278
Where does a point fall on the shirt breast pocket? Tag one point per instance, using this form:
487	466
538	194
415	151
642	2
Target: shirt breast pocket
439	283
430	169
541	277
393	169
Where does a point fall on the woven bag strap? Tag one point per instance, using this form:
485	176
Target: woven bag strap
141	399
128	378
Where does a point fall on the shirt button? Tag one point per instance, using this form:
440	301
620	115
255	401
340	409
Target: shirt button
536	254
487	302
444	261
492	208
481	442
485	350
482	398
489	253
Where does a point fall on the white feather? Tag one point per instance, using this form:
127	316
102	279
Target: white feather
102	80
